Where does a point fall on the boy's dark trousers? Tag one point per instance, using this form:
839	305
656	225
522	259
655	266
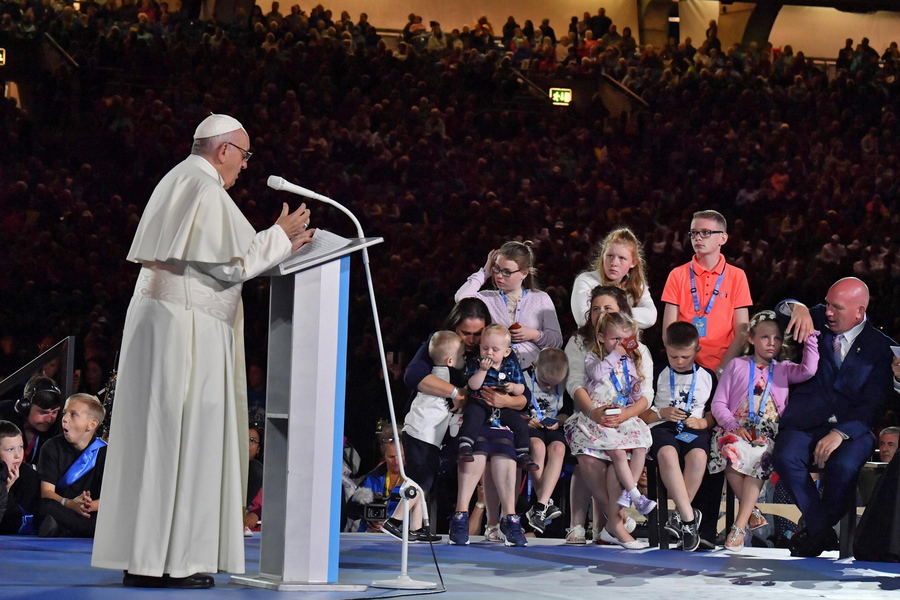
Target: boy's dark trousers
71	524
476	414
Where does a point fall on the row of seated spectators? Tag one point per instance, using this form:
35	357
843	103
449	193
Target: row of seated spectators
803	165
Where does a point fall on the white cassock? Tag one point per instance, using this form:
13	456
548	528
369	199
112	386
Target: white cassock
176	469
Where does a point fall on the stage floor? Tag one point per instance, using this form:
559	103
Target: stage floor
40	568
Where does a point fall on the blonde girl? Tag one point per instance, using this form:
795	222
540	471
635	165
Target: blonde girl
619	262
608	427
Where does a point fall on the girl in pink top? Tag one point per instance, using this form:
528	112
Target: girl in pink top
749	400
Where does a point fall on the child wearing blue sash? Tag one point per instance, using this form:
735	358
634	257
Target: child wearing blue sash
20	483
749	400
71	470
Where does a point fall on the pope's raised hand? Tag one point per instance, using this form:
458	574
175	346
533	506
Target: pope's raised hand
295	224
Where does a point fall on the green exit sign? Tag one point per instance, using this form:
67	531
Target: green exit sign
561	96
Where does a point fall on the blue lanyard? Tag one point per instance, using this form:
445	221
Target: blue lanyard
756	418
690	398
534	402
712	299
34	449
622	400
505	303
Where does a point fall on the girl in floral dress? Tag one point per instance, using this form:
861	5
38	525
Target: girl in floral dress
611	429
749	400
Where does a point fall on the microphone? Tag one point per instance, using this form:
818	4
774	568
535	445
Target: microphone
279	184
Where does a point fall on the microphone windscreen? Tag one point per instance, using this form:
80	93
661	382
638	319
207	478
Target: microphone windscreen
275	182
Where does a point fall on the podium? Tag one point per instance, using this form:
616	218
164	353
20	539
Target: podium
307	369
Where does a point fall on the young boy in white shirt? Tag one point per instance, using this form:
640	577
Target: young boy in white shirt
679	422
546	381
429	416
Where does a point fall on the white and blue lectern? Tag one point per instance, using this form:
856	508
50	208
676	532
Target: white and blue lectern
304	424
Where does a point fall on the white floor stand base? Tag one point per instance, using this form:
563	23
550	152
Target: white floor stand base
403	582
266	583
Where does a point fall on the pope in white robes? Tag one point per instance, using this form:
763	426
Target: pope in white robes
176	470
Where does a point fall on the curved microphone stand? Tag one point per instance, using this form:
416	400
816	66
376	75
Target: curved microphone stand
409	489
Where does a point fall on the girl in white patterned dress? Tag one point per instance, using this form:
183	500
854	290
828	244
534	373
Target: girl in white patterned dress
612	430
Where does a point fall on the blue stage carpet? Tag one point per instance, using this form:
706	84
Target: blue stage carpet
60	568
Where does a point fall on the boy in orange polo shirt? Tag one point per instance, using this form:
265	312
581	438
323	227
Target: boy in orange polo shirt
715	297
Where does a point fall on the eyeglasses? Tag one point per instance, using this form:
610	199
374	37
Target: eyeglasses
254	440
703	234
246	153
505	272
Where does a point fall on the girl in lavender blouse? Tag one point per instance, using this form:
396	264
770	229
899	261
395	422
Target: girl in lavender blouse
531	318
516	303
749	400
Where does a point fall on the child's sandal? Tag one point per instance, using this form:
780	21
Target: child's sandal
731	541
759	519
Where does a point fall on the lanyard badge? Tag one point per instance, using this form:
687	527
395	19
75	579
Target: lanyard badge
700	321
683	435
538	413
755	417
622	398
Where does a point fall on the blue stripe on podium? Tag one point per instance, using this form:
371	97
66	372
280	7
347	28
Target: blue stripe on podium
340	391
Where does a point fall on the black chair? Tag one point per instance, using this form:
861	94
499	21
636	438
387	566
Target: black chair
656	520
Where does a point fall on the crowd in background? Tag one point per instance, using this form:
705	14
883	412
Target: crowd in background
418	143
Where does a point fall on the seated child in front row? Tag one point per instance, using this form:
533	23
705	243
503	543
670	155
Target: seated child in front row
22	485
546	380
750	399
495	368
71	470
382	485
613	380
679	423
429	416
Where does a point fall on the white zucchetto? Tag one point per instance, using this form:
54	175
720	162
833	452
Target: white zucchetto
217	125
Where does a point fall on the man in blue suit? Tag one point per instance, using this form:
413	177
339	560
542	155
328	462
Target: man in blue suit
829	419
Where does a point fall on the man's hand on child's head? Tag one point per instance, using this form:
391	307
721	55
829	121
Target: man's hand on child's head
801	323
